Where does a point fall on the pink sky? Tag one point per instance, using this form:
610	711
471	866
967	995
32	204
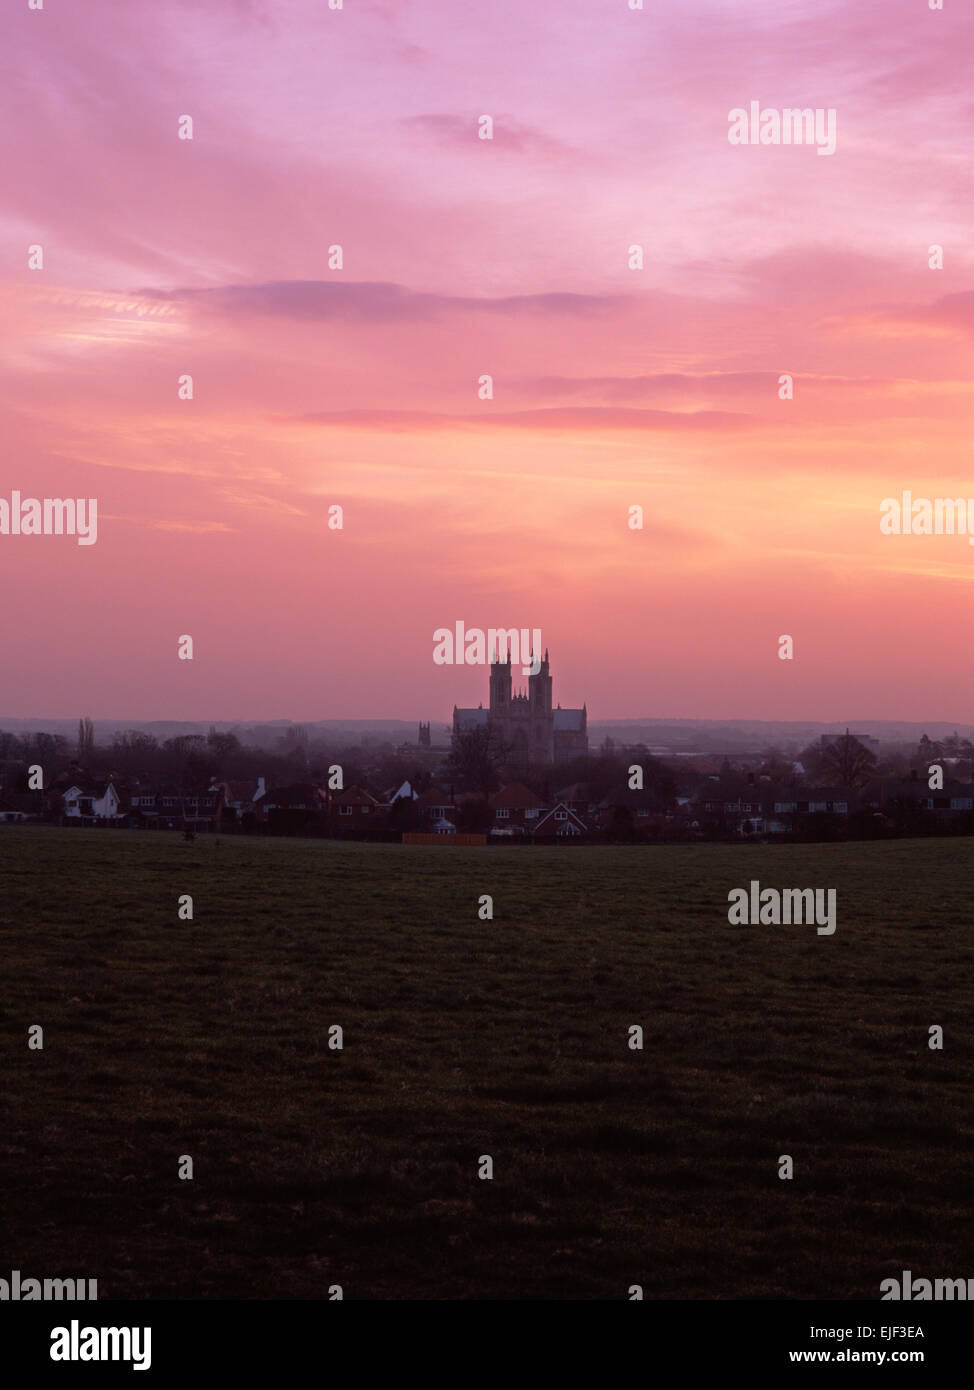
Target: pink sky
465	257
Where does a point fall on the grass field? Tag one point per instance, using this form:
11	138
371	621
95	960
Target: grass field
464	1037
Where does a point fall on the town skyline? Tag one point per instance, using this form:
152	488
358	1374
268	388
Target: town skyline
892	730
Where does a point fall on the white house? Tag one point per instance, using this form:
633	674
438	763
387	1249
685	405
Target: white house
98	801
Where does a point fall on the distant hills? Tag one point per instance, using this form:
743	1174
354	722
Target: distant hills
752	735
678	735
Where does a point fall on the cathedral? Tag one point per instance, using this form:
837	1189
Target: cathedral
525	723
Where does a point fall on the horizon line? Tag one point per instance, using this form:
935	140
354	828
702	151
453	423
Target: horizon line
397	719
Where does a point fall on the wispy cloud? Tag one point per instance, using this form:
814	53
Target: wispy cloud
587	418
372	302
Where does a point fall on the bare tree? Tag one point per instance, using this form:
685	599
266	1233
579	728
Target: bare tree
475	756
86	741
224	748
845	761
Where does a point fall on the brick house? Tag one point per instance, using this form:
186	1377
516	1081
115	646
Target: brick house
515	809
355	809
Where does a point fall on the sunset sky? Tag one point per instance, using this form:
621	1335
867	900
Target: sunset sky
462	257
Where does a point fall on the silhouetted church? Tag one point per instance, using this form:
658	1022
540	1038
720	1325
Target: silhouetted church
526	724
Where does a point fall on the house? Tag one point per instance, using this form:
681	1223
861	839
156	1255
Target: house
561	822
631	811
355	809
906	796
237	799
297	796
170	807
765	808
436	807
578	798
515	809
832	801
151	805
92	801
200	809
299	808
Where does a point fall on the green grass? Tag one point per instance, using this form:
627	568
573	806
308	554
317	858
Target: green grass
464	1038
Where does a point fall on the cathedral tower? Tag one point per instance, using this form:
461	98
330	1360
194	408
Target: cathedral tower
500	684
539	688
